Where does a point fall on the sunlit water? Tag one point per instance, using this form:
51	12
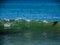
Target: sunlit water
30	38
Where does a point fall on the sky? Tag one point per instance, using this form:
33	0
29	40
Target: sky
30	9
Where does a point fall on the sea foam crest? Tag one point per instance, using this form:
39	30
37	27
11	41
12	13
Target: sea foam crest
17	19
45	21
27	20
6	19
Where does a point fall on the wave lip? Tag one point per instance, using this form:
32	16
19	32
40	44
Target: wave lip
6	19
45	21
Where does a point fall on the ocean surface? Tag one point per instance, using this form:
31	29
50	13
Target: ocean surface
36	10
33	38
33	10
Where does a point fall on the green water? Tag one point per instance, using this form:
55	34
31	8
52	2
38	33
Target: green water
31	38
29	33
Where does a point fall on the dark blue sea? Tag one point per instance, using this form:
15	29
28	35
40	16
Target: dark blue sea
43	10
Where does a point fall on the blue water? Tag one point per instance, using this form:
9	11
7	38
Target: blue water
44	10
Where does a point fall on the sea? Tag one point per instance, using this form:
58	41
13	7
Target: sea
32	11
10	9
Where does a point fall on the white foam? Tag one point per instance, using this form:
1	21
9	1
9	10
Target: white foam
6	19
27	20
45	21
7	24
17	19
